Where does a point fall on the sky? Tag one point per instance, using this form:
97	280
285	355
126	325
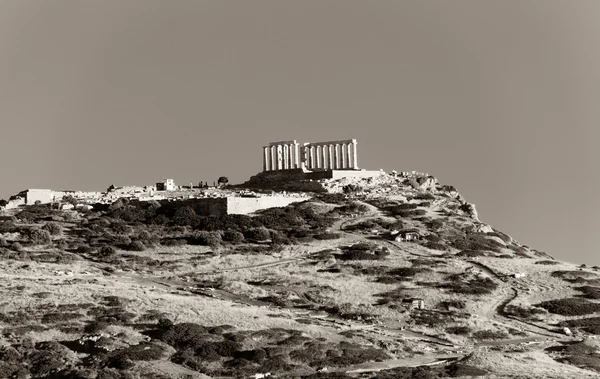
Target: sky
498	98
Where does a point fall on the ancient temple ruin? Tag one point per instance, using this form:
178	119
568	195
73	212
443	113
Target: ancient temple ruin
311	156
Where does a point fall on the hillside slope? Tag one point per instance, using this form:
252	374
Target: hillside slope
387	277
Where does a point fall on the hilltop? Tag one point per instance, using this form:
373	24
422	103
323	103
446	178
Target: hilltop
387	276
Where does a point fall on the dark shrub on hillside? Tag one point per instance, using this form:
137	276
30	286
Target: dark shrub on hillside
233	236
279	238
489	335
471	254
522	312
461	330
431	319
352	207
327	236
351	188
60	317
547	263
332	198
33	213
424	196
133	212
589	292
475	242
205	238
257	234
7	227
38	236
570	306
186	216
449	304
174	242
136	246
478	286
53	228
15	246
590	325
107	252
185	335
144	351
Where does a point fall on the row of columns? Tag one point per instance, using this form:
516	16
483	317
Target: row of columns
334	155
283	155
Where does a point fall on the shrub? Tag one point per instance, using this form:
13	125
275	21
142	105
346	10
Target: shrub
53	228
547	262
174	242
136	246
327	236
424	196
185	335
233	236
202	237
589	292
522	312
107	252
257	234
186	216
449	304
489	335
461	330
16	246
477	286
570	306
38	236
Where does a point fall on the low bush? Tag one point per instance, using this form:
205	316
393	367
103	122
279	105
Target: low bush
257	234
477	286
204	238
37	236
136	246
570	306
547	262
449	304
527	313
460	330
174	242
233	236
327	236
589	292
53	228
489	335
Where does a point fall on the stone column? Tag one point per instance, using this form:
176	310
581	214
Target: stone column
336	157
296	156
329	157
319	152
285	161
349	154
354	157
272	158
266	158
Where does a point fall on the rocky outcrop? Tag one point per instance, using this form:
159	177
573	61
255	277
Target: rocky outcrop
470	210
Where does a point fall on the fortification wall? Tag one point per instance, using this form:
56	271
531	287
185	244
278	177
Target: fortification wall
245	205
203	207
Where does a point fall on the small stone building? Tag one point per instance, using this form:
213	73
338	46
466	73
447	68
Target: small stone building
414	303
166	185
407	235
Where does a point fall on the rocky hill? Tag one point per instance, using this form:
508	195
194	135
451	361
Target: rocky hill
393	276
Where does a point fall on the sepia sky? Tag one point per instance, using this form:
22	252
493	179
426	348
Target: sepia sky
499	98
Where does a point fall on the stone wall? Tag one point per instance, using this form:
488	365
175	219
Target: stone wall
246	205
44	196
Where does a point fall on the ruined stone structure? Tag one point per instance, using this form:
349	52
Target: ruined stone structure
311	156
283	155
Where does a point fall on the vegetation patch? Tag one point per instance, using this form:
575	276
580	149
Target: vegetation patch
570	306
